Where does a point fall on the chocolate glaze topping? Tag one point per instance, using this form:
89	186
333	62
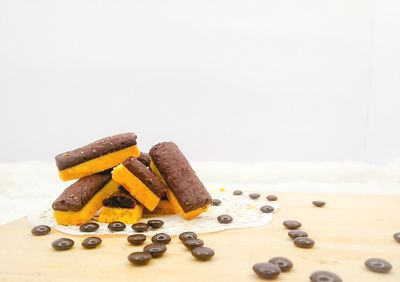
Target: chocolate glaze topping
180	177
120	200
145	159
145	175
77	195
96	149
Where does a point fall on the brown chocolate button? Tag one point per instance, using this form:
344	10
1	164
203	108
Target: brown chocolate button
272	198
378	265
117	226
140	227
297	233
283	263
254	196
324	276
139	258
161	238
267	270
237	192
193	243
187	235
396	236
155	250
40	230
267	209
292	224
155	223
224	219
91	242
304	242
203	253
89	227
136	239
216	202
319	204
62	244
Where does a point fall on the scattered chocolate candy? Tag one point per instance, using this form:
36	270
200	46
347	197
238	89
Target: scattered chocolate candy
40	230
254	196
283	263
161	238
378	265
139	258
203	253
396	236
89	227
155	250
140	227
267	209
117	226
136	239
216	202
155	223
272	198
297	233
193	243
224	219
304	242
292	224
187	235
319	203
62	244
324	276
237	192
91	242
267	270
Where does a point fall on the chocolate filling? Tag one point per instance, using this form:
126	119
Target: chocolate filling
77	195
180	177
96	149
120	200
145	175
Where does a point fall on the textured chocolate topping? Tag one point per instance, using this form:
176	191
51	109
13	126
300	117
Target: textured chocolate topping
145	175
96	149
145	159
180	177
77	195
120	200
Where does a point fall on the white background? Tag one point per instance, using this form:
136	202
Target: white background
301	80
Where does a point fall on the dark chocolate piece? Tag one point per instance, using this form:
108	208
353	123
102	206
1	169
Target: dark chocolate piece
139	258
203	253
145	175
96	149
144	158
156	250
224	218
318	204
136	239
91	242
116	226
267	270
304	242
62	244
120	200
140	227
326	276
193	243
161	238
155	223
292	224
40	230
283	263
378	265
180	177
187	236
77	195
297	233
272	198
267	209
89	227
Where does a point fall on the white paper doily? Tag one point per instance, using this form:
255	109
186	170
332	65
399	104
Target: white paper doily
244	210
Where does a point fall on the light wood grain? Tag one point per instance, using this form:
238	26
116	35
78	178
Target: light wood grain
350	229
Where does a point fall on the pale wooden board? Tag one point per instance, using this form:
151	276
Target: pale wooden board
350	229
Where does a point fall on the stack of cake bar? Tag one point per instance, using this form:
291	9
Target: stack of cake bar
123	183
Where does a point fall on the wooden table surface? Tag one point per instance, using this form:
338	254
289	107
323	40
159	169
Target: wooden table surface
347	231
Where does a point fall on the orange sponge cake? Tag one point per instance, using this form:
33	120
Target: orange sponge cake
97	156
185	190
140	182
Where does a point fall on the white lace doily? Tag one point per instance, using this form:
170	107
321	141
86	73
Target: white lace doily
244	210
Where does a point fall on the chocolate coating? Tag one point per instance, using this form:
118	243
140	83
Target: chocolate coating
77	195
140	227
144	158
136	239
116	226
180	177
203	253
283	263
193	243
267	209
225	218
156	250
89	227
96	149
378	265
40	230
254	196
267	270
292	224
155	223
120	200
161	238
304	242
325	276
62	244
318	204
272	198
91	242
297	233
139	258
145	175
187	235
